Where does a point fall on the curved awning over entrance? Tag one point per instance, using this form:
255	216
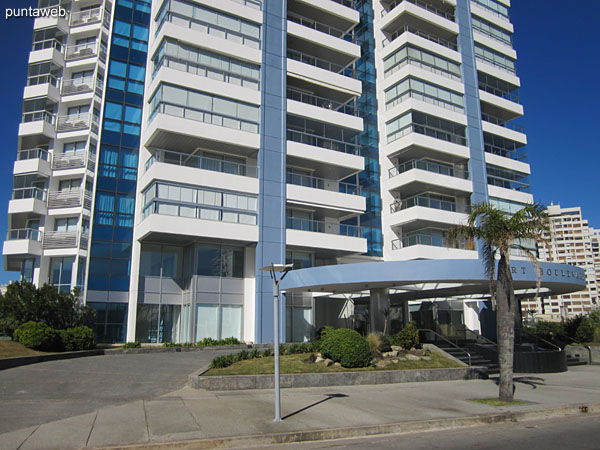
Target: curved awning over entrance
420	279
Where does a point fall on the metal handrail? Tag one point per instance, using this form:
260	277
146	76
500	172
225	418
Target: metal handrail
423	5
589	349
479	336
323	102
319	26
541	339
321	63
449	342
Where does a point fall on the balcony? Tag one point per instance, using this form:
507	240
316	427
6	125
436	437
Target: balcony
322	183
318	226
502	123
33	153
506	152
434	132
23	241
430	37
39	116
427	6
322	27
336	238
46	78
76	122
74	160
78	86
321	63
304	137
70	199
81	51
86	17
348	107
64	239
24	234
46	44
425	202
434	240
29	193
202	162
429	166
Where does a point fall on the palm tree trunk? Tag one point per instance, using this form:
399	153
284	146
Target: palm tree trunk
505	310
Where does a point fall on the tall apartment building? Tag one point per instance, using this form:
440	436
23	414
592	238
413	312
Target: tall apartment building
571	240
169	149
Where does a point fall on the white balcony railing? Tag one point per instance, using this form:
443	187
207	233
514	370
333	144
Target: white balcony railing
77	85
75	160
69	199
86	17
64	239
74	122
81	51
33	153
29	192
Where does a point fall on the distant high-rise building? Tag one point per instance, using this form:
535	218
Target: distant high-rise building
170	148
573	242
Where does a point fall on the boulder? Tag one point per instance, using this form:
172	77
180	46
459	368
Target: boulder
328	362
319	359
384	363
396	348
426	358
337	364
413	357
391	354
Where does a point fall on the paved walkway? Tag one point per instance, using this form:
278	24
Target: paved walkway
188	414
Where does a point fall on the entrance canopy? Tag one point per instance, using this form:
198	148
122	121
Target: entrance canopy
419	279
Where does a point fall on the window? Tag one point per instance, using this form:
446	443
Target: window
66	224
421	58
218	321
424	91
69	185
27	269
61	271
74	147
220	261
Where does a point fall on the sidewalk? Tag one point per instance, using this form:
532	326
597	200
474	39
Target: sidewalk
190	414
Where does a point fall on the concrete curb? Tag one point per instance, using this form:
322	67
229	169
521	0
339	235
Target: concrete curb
8	363
297	380
370	430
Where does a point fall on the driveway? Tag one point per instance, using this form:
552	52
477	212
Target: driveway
44	392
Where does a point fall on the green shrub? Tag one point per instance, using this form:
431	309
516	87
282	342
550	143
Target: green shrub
230	341
585	332
135	344
267	352
37	336
374	341
207	342
347	347
169	344
385	344
407	338
77	338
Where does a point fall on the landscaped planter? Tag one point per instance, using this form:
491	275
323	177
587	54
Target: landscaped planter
237	382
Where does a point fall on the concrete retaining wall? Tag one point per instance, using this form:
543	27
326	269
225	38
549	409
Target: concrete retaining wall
236	382
7	363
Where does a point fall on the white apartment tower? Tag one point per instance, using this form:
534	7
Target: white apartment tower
570	241
169	149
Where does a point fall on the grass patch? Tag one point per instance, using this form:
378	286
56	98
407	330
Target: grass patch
11	349
299	364
497	402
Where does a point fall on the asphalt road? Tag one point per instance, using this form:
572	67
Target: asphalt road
568	433
40	393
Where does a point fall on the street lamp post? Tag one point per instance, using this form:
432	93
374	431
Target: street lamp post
273	269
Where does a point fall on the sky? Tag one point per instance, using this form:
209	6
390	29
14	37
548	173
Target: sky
558	61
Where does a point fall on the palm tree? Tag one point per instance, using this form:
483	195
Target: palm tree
498	232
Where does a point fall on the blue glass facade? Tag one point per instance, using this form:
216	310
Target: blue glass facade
369	139
114	206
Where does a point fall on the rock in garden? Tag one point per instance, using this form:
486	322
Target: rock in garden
395	361
391	354
337	364
328	362
319	359
384	363
426	358
412	357
396	348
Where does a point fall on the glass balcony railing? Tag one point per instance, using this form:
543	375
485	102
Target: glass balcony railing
24	233
427	131
508	183
511	153
305	58
429	166
315	140
255	4
434	240
322	183
513	96
502	123
320	26
36	116
410	29
349	107
425	202
33	153
202	162
29	192
42	79
428	6
423	97
48	43
318	226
